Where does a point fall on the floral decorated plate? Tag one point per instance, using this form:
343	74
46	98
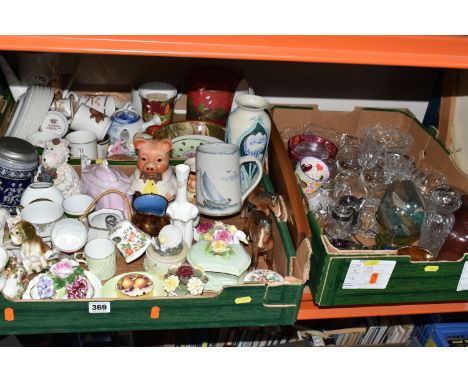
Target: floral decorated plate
185	147
263	276
93	286
179	129
109	289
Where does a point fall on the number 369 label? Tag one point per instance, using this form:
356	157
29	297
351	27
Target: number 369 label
99	307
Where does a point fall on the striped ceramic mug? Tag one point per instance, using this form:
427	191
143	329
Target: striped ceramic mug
100	258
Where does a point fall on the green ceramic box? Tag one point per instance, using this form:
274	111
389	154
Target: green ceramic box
409	282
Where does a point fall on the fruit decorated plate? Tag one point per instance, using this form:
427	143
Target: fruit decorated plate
110	288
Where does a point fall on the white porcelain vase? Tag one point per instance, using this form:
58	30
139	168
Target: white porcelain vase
184	215
249	127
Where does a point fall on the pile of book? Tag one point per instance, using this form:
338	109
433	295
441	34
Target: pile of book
372	331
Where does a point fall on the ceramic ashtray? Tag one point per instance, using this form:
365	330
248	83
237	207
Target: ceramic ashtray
263	276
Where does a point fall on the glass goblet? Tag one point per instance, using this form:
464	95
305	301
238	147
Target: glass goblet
373	179
347	159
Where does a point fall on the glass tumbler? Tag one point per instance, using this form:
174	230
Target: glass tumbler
339	225
439	220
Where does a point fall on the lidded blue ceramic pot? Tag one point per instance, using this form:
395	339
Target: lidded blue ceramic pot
18	165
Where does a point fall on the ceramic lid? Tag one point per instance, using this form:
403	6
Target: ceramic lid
125	116
103	176
158	87
236	264
17	150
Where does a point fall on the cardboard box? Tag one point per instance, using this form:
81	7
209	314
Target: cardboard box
240	305
331	269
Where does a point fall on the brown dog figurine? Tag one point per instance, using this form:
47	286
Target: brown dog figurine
153	174
33	251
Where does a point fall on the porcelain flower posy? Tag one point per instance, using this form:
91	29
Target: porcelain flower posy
63	268
195	286
219	247
77	289
218	231
45	287
224	235
171	283
184	279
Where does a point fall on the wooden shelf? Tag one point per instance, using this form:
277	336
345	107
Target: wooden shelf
309	311
423	51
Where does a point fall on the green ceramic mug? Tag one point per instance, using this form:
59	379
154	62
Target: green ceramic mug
99	255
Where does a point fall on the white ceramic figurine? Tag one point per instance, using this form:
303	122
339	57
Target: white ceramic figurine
55	169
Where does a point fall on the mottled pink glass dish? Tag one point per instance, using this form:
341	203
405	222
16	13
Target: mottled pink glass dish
307	145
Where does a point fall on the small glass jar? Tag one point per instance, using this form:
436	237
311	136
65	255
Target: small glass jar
356	205
339	226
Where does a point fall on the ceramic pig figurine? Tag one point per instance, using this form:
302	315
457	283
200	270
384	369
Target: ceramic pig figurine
153	174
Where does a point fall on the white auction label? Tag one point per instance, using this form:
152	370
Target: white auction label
463	283
99	307
368	274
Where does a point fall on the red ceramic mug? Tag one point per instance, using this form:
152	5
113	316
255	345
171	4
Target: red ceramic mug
157	99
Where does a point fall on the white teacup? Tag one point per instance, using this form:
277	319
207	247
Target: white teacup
76	205
42	214
68	235
64	106
103	103
102	148
99	255
83	143
89	119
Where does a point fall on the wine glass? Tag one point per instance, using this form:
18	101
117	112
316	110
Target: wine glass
368	226
373	179
347	159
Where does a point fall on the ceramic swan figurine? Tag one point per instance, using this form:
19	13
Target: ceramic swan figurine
55	169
